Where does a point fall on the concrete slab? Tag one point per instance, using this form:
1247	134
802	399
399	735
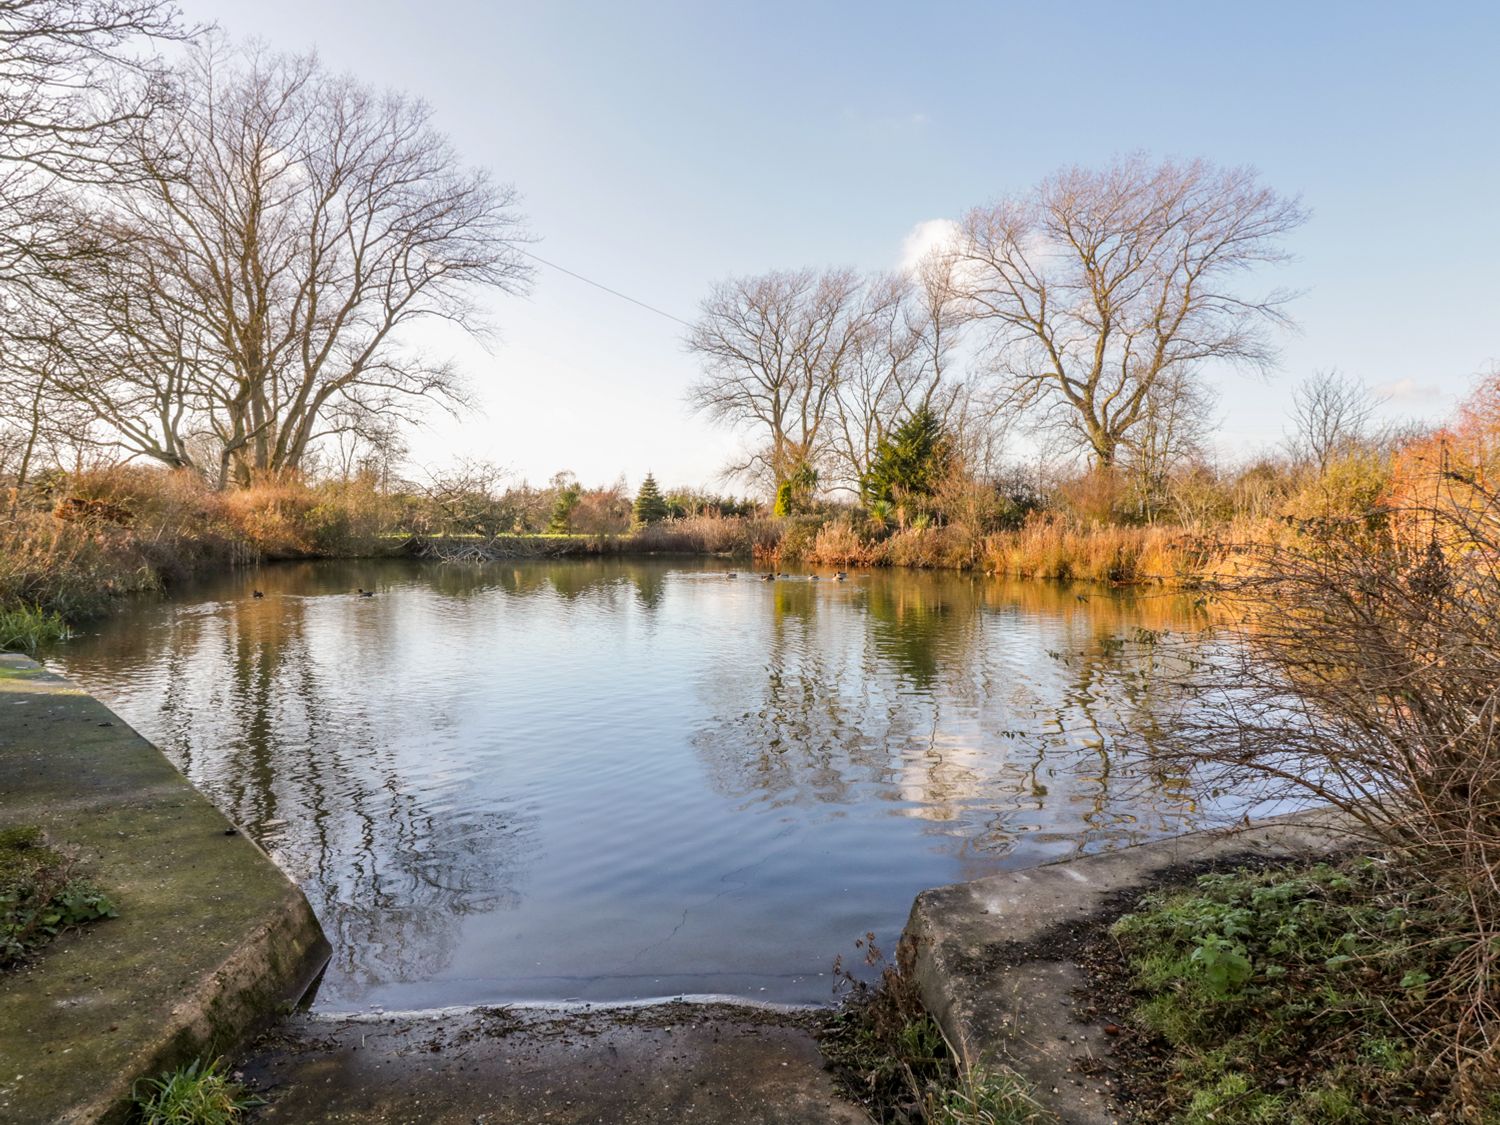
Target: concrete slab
993	958
714	1064
212	941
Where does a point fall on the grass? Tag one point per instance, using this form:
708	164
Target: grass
888	1052
1044	547
1291	995
196	1094
26	628
40	895
77	541
1049	548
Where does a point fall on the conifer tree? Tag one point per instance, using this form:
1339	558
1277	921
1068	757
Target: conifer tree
650	506
561	522
910	461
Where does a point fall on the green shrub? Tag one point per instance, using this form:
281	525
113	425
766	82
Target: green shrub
26	628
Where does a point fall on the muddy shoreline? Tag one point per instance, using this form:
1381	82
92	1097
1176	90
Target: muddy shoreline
717	1063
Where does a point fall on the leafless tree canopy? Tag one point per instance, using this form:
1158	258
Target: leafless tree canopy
65	114
1331	415
775	350
255	292
1100	287
75	77
819	367
1172	432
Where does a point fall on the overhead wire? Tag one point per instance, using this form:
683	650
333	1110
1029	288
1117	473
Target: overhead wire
606	288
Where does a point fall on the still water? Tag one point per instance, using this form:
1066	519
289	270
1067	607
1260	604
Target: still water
619	780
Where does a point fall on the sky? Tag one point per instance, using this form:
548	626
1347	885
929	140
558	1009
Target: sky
661	147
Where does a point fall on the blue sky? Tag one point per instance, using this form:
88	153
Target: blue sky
662	146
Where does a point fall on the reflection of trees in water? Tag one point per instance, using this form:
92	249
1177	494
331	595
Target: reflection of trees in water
915	624
989	710
1110	696
602	580
263	719
807	722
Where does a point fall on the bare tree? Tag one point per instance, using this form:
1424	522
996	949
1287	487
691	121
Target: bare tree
901	365
258	289
885	374
1100	285
775	350
39	421
1172	431
1331	415
65	110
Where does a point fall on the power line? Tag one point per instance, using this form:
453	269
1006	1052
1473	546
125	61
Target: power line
606	288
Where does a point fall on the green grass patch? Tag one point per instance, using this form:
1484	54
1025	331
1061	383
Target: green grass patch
40	895
196	1094
1291	995
26	628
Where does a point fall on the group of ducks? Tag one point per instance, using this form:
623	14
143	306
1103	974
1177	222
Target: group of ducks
838	576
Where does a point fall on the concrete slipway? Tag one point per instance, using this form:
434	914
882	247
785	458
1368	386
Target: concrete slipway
212	940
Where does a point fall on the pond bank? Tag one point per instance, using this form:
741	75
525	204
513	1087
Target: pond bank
997	960
212	939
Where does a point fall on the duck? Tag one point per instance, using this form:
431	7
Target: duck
840	576
364	593
813	577
731	574
257	594
768	577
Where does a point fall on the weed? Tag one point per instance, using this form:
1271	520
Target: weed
1291	994
890	1054
40	895
27	628
196	1094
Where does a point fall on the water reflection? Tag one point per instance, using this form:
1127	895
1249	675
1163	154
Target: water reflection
612	780
990	710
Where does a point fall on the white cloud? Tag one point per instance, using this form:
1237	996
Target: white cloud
1408	390
924	238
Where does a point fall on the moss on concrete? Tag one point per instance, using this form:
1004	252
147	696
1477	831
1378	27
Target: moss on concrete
212	938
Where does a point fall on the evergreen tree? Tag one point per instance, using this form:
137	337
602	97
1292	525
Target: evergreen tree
794	495
562	511
910	461
650	506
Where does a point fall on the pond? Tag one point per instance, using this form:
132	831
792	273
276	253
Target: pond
619	780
